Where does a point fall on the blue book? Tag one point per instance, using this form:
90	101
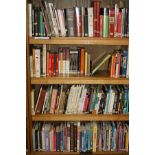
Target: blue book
124	63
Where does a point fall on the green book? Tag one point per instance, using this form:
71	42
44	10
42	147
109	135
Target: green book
106	23
41	23
101	63
123	22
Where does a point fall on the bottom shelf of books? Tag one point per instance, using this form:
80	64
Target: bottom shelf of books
80	137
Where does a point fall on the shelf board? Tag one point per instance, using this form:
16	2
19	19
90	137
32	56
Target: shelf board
80	117
73	153
80	41
79	80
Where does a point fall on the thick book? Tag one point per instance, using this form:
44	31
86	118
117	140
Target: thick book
37	62
70	20
44	60
40	101
82	61
78	22
86	23
101	63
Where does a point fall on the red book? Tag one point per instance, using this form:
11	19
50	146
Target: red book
52	63
57	63
119	24
78	21
95	18
85	103
98	19
111	22
101	25
40	101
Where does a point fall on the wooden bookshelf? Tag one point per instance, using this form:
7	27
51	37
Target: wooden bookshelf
80	41
79	80
80	117
74	153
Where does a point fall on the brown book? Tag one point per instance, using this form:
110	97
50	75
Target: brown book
82	62
40	101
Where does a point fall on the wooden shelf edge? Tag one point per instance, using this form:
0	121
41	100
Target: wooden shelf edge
73	153
80	40
80	117
79	80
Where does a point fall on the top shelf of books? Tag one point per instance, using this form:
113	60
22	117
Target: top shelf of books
80	41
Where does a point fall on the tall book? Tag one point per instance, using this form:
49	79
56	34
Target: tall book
44	60
86	23
111	22
82	61
119	24
106	23
70	22
90	21
98	18
78	22
37	62
30	19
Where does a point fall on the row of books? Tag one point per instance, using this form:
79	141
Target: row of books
80	136
80	99
119	64
93	21
65	60
77	61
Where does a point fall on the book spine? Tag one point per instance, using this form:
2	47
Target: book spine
44	60
101	25
116	20
47	64
94	137
57	63
86	59
98	18
82	62
90	21
37	62
82	19
86	23
30	19
95	19
111	22
41	23
38	21
78	21
123	22
52	64
35	22
31	66
119	24
106	23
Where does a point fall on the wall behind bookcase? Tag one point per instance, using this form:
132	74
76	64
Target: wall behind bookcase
72	3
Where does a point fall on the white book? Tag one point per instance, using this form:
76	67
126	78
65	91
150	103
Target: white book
98	103
78	136
43	137
111	102
31	66
90	21
115	21
30	19
44	60
32	102
68	138
37	62
54	21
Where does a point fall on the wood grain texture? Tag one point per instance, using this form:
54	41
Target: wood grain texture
80	41
74	153
80	117
79	80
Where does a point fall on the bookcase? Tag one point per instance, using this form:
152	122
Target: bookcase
90	43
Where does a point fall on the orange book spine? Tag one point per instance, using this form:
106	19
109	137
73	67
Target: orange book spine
82	62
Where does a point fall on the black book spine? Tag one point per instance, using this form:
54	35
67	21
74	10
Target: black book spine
86	23
38	21
32	21
35	22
